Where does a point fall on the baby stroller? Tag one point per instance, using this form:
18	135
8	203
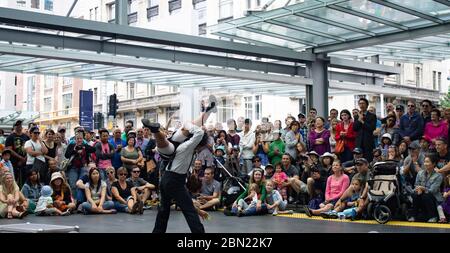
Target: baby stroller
384	192
232	187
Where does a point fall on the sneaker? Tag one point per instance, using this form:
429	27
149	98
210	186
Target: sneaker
307	211
290	212
275	213
154	127
227	212
147	206
113	211
411	219
432	220
66	213
240	213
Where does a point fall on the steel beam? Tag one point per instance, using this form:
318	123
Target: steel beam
277	35
408	10
40	20
363	66
305	30
121	12
444	2
45	39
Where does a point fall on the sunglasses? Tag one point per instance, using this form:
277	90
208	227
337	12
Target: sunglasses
135	171
123	174
425	105
411	106
110	172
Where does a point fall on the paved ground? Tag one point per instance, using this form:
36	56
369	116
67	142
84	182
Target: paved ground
125	223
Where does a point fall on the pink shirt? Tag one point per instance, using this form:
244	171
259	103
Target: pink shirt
103	164
279	178
432	132
336	186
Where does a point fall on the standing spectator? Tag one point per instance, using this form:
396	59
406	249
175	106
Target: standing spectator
232	138
291	139
319	138
62	133
124	194
399	112
95	191
333	123
427	106
344	131
10	198
141	141
205	149
427	192
364	125
147	133
276	148
15	142
128	127
60	149
355	112
131	156
118	144
62	195
51	146
376	132
2	137
411	124
81	152
260	149
312	116
303	128
104	151
288	121
333	116
36	150
389	128
435	128
31	190
390	108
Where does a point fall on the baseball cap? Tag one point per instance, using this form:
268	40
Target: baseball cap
61	128
301	115
313	153
269	165
414	145
400	107
35	130
361	161
357	151
18	123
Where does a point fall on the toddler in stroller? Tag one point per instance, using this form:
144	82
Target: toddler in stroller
385	192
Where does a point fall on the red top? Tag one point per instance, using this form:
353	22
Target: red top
350	138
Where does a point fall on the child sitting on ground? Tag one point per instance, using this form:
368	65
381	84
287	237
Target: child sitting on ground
44	206
346	205
275	204
250	201
278	178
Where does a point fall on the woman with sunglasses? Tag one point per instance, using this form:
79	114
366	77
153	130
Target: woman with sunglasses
124	194
110	179
35	150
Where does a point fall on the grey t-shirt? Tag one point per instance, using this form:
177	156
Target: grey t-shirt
138	182
96	194
209	189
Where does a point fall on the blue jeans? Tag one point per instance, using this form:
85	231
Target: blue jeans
73	174
249	210
87	207
121	208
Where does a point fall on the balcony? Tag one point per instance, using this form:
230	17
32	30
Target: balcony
174	5
152	12
58	115
132	18
164	100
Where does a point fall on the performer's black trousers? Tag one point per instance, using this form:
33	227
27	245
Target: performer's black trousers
172	186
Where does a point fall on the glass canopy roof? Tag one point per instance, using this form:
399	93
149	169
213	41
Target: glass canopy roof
319	23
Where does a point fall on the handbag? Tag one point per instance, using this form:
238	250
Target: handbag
340	145
38	165
65	163
151	166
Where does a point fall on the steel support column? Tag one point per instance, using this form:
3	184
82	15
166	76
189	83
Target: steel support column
122	12
317	94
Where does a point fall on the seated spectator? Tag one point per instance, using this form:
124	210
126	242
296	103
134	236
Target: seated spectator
336	186
394	155
62	195
377	157
52	167
257	178
209	197
233	162
412	165
319	137
247	204
386	141
349	166
6	162
349	201
10	206
427	192
436	128
80	192
95	191
45	206
446	203
443	153
143	188
275	203
110	179
326	162
279	180
424	146
31	190
403	151
389	128
269	171
124	195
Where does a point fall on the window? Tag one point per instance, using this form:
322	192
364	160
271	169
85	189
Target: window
96	13
439	80
225	9
47	104
21	3
174	5
249	4
35	4
129	116
151	89
357	97
95	95
111	9
130	90
434	80
170	111
48	84
248	101
48	5
15	100
173	89
132	18
151	114
67	103
67	81
202	29
91	14
152	11
225	111
196	2
417	76
258	107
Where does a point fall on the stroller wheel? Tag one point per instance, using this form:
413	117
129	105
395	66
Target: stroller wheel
382	214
